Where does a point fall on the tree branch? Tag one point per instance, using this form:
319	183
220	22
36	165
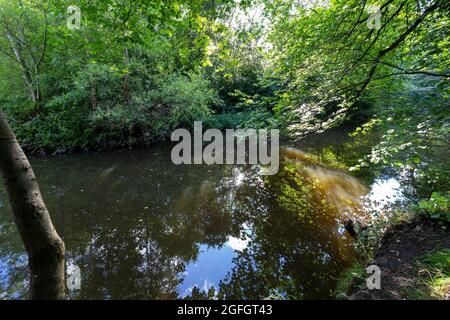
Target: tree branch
396	43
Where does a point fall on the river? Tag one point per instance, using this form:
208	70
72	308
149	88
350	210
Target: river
139	227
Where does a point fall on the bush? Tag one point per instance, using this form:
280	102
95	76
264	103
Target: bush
184	98
226	121
437	207
97	112
353	278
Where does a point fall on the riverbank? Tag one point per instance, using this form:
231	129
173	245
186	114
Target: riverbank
414	258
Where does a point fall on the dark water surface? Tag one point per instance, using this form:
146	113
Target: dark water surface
139	227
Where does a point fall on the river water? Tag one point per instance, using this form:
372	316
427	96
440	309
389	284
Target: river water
139	227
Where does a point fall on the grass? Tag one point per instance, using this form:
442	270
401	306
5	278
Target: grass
434	276
351	279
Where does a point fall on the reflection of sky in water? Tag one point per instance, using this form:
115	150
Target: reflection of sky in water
385	192
211	266
237	244
6	274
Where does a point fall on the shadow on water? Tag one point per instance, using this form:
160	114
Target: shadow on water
140	227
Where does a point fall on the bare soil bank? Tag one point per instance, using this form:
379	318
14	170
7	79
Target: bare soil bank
402	245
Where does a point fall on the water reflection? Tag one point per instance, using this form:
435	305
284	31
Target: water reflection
139	227
297	249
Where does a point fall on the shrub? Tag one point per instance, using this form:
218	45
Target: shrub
95	111
437	207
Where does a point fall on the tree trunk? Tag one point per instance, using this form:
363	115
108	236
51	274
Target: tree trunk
26	73
126	93
44	246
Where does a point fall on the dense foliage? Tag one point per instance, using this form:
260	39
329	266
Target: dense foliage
135	70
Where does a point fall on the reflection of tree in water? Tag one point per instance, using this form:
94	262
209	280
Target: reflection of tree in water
296	249
121	263
14	275
132	225
140	244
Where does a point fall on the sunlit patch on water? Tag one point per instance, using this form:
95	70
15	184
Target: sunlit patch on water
385	192
386	195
